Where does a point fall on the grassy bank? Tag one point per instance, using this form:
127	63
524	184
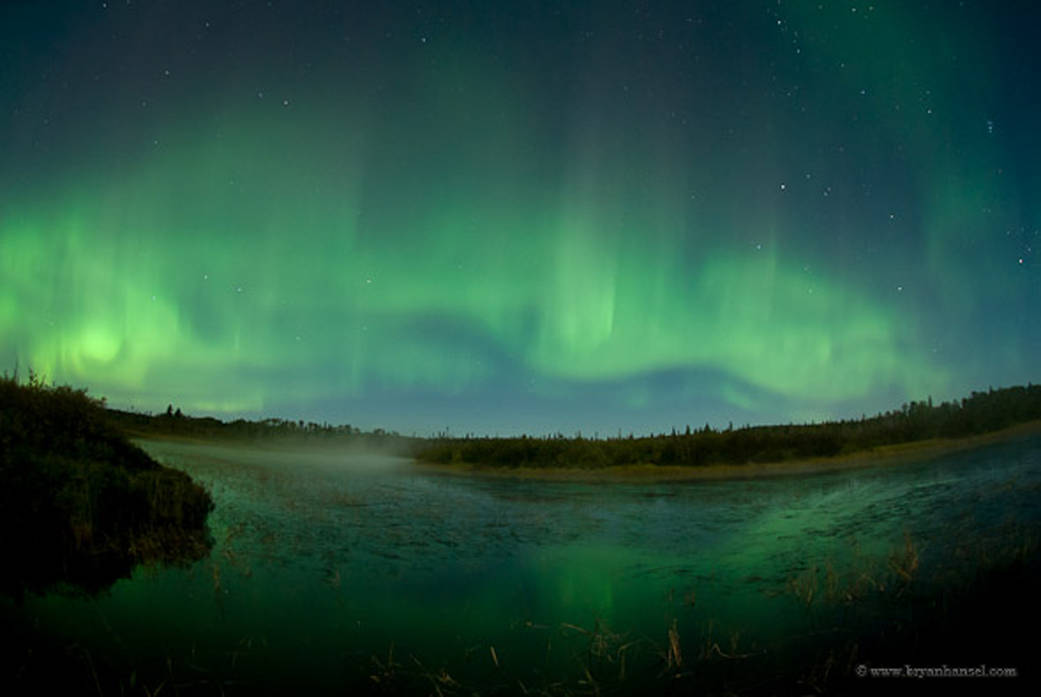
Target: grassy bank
914	429
881	456
81	505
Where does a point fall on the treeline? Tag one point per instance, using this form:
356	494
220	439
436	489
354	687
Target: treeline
175	422
981	412
80	504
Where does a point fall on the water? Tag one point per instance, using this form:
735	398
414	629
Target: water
334	571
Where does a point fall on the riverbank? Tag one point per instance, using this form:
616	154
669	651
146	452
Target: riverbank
81	505
881	456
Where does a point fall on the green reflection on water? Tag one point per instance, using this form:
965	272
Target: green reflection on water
333	570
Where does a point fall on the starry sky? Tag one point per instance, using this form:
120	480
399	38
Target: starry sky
505	217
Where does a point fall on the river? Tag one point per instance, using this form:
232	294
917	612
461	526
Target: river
338	571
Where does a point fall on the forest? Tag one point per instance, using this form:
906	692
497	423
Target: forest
173	422
981	412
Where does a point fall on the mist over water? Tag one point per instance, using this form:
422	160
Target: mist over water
328	565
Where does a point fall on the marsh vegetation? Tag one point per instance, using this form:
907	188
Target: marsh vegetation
334	573
80	505
981	412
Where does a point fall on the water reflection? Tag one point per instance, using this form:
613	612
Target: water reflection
325	560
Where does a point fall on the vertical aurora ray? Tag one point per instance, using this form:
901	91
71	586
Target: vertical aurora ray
496	216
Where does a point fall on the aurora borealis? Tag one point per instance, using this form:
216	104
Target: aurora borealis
507	217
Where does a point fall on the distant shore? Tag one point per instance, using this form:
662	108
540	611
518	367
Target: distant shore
881	456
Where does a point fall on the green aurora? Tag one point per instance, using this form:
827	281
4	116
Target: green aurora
505	222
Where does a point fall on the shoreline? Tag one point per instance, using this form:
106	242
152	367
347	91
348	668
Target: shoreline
881	456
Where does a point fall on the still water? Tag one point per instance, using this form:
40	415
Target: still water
334	572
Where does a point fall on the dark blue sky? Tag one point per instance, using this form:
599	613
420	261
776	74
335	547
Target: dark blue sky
506	217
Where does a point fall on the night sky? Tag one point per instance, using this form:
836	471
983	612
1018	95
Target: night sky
499	217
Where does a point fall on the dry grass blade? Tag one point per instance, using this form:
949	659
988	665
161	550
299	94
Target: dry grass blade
568	625
905	563
674	656
590	681
733	654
